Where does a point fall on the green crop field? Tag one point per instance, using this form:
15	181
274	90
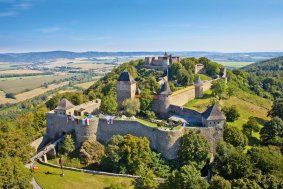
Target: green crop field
17	86
235	64
49	178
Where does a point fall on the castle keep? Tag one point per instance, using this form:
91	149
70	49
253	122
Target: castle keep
85	122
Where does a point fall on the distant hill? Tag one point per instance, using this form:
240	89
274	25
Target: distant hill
37	57
270	67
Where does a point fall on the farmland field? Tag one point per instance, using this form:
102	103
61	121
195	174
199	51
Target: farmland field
85	85
91	65
235	64
19	71
20	85
4	100
38	91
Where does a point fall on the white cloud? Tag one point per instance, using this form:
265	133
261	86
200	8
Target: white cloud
49	30
15	7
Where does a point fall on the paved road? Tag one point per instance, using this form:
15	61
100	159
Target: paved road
39	155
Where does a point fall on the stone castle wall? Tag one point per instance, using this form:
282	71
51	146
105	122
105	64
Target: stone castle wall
182	96
165	142
57	125
85	132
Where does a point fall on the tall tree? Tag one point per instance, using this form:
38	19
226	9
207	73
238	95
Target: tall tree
131	106
109	104
68	145
194	148
230	162
218	88
218	182
235	137
146	179
272	132
277	110
231	113
13	174
188	177
127	153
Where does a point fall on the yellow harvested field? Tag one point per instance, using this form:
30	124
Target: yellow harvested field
6	72
20	85
87	66
85	85
4	100
38	91
76	63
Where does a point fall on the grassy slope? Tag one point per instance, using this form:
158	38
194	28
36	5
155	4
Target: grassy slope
73	179
247	104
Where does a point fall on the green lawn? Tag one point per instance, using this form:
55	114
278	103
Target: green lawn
204	77
49	178
146	122
235	64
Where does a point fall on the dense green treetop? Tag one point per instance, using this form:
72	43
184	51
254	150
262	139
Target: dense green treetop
193	148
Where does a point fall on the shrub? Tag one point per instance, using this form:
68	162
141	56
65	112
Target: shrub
235	137
91	152
231	113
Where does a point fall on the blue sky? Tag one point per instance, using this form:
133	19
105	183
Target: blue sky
141	25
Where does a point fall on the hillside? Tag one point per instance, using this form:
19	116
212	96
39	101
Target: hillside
247	104
271	67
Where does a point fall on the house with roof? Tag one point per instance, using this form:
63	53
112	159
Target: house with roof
213	117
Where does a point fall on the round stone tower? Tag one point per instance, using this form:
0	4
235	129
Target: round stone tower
198	88
164	100
125	87
84	131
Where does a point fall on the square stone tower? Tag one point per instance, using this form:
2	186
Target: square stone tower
125	87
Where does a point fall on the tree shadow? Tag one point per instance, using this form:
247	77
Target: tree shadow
206	96
260	120
50	173
253	141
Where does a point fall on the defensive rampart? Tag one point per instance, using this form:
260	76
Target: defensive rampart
181	97
164	141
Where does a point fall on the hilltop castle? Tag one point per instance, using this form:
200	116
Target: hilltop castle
161	62
164	103
85	122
